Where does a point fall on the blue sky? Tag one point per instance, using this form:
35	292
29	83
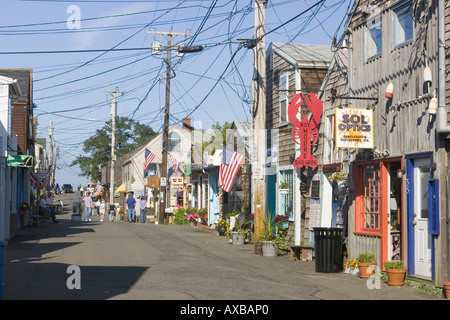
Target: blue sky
69	87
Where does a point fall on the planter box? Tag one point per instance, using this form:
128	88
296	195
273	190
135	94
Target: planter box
76	218
268	249
237	237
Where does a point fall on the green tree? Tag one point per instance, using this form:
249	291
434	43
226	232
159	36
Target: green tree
214	143
130	134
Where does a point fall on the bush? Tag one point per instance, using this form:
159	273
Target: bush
180	217
366	258
394	265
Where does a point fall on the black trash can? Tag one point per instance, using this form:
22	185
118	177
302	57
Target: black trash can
328	249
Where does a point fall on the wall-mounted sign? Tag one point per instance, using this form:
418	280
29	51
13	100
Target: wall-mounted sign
17	160
305	131
354	128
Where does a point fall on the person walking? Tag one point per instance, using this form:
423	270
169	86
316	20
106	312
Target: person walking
102	209
112	212
88	204
142	205
131	206
97	206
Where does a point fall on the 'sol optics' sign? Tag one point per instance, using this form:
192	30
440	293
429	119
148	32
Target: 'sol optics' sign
354	128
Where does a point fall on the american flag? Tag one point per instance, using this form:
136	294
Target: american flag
175	163
149	156
231	161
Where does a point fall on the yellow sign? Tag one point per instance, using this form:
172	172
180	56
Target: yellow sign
354	128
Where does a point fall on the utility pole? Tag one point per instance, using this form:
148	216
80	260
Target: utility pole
259	119
113	141
50	153
163	189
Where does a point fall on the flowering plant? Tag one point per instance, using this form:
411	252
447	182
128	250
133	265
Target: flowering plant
190	217
338	176
353	264
221	223
281	218
251	216
24	206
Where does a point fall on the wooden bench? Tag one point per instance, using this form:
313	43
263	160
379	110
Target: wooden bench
301	252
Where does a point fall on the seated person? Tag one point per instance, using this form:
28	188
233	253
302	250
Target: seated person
46	208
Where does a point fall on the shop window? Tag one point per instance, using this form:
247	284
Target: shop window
370	202
373	37
402	25
331	153
287	200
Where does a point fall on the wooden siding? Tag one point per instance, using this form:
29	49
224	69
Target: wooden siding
407	129
310	82
447	58
19	125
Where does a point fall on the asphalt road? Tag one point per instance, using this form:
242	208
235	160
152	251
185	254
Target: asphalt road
133	261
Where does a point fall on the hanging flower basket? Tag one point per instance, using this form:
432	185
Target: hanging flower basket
284	191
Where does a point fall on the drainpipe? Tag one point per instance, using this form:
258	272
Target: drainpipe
441	117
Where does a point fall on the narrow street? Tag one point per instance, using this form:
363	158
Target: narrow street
133	261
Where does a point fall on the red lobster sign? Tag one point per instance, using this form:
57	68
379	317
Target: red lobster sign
305	131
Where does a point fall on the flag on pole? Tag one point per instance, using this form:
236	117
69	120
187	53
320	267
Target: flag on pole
175	164
231	161
149	156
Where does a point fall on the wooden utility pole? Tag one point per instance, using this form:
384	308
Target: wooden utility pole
259	120
113	142
163	189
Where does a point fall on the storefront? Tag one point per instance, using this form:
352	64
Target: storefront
378	210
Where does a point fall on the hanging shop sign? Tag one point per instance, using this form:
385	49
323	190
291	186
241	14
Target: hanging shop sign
17	160
354	128
305	132
153	181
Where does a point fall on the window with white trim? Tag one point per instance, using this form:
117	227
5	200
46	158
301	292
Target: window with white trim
373	37
402	24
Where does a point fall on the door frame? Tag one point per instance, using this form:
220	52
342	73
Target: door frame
410	211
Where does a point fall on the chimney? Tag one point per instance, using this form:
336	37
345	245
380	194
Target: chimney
187	124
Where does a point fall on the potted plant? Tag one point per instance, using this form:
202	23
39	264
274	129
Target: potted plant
447	289
192	218
268	247
238	233
396	272
366	261
222	227
284	188
282	221
76	211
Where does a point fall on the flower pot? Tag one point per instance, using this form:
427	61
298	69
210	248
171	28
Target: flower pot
284	191
193	223
221	230
237	237
447	289
396	277
268	249
366	269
